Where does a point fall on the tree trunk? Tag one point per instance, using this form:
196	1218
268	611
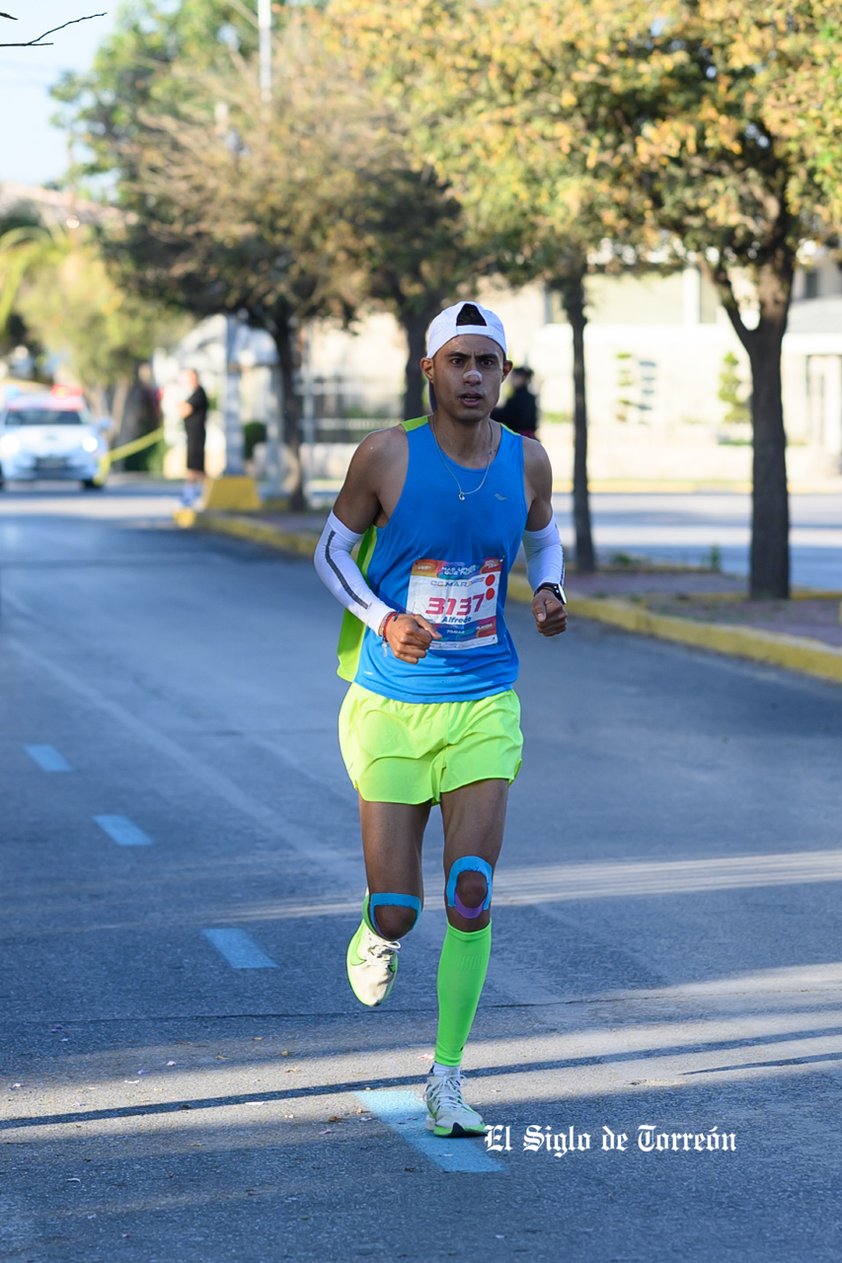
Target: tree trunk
769	575
769	569
573	297
283	334
120	402
415	327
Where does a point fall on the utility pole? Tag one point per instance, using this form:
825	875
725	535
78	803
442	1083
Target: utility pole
274	446
264	26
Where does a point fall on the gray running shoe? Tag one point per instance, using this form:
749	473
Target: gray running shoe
448	1115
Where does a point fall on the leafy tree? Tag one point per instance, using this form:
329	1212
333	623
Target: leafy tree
402	231
56	281
521	175
207	226
285	211
131	71
712	124
694	111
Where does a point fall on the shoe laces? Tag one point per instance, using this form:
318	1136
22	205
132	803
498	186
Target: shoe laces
383	948
447	1089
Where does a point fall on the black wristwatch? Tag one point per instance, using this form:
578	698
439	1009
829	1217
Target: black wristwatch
557	591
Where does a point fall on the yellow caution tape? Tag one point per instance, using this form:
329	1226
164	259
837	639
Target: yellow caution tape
127	449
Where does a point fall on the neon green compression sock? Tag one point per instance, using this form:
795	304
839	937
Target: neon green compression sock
462	968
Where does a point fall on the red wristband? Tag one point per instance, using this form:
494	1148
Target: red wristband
386	621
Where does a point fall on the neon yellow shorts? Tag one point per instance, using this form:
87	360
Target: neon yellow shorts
413	752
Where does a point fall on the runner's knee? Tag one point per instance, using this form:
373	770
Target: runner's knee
468	890
393	915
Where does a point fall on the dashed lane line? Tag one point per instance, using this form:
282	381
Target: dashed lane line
239	949
123	831
403	1112
48	758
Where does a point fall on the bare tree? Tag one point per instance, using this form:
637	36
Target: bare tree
41	41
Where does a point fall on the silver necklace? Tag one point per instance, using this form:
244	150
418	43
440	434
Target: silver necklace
463	495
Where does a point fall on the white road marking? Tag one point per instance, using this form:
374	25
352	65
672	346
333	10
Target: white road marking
239	949
48	758
404	1112
122	831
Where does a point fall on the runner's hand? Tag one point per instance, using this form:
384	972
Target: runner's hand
409	636
549	613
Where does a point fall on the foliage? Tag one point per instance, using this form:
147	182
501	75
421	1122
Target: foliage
303	208
625	384
131	71
568	135
732	392
254	432
711	128
57	281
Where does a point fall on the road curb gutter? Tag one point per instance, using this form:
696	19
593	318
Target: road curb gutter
792	653
260	532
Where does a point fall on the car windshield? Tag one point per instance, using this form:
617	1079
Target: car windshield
44	416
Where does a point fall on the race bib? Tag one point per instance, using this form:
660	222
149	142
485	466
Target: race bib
459	599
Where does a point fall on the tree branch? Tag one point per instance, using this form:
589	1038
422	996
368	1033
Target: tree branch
37	42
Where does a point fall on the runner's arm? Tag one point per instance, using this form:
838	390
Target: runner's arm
544	556
538	479
357	507
342	576
541	543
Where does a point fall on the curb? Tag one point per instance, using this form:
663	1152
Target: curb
792	653
260	532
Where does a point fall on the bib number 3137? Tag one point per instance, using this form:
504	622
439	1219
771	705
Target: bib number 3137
460	598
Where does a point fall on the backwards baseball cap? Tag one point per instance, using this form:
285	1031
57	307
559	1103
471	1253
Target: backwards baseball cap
464	318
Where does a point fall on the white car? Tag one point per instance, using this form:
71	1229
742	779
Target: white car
51	435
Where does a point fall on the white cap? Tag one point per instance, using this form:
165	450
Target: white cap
464	318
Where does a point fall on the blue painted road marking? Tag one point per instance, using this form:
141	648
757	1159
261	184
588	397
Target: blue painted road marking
239	949
404	1112
123	831
48	758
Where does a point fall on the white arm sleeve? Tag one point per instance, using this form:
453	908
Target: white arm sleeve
544	556
342	576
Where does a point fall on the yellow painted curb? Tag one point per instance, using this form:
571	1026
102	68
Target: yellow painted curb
237	492
260	532
794	653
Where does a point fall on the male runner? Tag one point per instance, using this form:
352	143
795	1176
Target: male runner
431	715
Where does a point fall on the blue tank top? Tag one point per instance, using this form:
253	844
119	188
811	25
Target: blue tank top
448	559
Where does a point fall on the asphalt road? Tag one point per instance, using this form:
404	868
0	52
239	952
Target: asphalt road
184	1073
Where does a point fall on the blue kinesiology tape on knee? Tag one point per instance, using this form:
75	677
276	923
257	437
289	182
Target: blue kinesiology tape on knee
468	864
396	901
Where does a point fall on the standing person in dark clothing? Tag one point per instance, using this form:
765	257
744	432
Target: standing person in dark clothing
520	411
194	413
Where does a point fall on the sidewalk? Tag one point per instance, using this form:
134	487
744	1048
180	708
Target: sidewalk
705	609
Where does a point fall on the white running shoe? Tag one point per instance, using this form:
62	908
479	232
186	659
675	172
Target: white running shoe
448	1113
372	964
